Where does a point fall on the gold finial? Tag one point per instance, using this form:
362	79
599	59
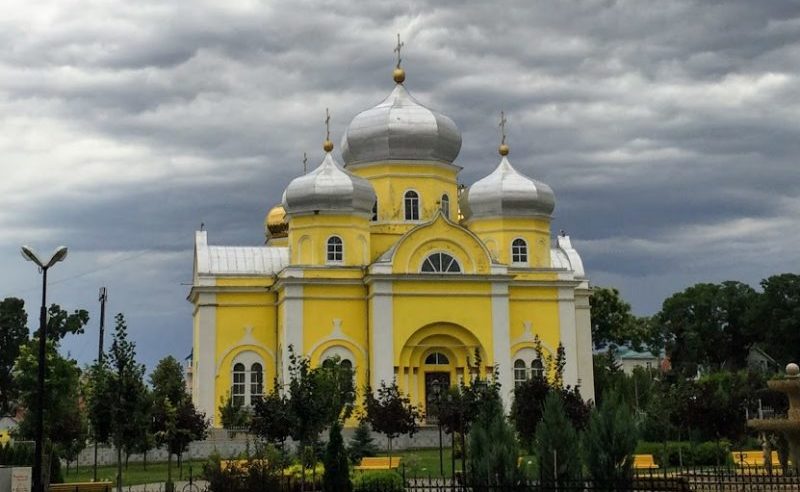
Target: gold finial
327	145
399	73
503	147
305	163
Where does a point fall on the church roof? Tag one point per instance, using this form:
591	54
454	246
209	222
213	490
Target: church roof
238	260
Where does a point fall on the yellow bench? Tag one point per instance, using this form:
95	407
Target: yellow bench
644	462
82	487
746	459
379	463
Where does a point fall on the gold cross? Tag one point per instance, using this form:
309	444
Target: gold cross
327	125
503	127
397	49
305	163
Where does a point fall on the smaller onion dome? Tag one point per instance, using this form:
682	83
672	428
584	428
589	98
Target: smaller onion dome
275	222
329	189
507	193
400	129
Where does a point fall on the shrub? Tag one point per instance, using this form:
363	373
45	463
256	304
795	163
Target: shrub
379	481
337	472
493	446
707	453
556	444
610	440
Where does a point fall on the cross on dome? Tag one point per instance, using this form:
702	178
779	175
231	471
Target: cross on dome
399	73
328	144
305	163
503	147
397	49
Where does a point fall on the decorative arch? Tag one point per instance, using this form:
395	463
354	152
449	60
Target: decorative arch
440	235
339	351
305	251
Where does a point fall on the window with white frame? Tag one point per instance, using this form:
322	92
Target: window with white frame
256	382
238	388
537	369
445	204
520	372
247	379
519	252
440	263
335	249
411	205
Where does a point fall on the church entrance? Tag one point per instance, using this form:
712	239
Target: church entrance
436	386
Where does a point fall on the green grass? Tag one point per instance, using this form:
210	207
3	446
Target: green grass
136	474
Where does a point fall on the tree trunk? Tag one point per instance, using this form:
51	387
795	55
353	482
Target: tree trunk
169	470
119	469
180	466
390	452
144	461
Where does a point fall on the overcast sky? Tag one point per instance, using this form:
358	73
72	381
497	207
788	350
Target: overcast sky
668	130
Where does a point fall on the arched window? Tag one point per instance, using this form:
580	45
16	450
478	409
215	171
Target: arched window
440	263
519	251
375	211
437	359
256	382
445	205
335	249
411	205
520	372
537	369
238	386
347	364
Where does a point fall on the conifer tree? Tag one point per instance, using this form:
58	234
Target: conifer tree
362	444
609	443
493	446
337	474
556	445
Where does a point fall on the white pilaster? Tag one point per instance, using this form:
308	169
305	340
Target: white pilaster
205	378
569	339
501	341
583	325
382	336
292	325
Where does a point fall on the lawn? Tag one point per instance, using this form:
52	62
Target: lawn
136	474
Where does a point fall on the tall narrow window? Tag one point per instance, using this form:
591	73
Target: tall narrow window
537	369
375	211
256	383
446	205
238	387
519	252
520	372
411	203
440	263
335	249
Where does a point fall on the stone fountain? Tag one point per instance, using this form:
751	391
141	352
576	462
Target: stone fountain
789	426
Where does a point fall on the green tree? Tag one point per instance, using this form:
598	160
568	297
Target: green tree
99	402
778	316
60	323
176	421
126	391
556	445
337	471
272	418
709	325
493	446
609	443
612	321
13	335
390	412
233	416
362	444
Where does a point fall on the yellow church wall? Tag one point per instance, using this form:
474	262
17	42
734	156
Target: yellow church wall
539	306
246	322
308	238
499	233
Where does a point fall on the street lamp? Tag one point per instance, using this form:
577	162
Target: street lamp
58	255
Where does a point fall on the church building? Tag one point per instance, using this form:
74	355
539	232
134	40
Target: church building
387	261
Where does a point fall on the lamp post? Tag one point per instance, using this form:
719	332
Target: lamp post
58	255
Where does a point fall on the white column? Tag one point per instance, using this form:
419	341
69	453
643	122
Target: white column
501	341
292	325
205	378
568	338
382	333
583	326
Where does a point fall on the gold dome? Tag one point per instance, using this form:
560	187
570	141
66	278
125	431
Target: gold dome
399	75
275	222
503	149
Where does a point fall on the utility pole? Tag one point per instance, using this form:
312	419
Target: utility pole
103	297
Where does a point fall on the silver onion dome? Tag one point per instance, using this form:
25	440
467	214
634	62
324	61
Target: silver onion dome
329	189
507	193
400	129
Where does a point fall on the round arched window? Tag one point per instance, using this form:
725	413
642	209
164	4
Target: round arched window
440	263
437	359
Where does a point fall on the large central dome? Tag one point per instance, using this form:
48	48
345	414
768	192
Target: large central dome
400	129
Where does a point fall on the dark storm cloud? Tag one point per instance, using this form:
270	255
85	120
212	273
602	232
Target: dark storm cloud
668	130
